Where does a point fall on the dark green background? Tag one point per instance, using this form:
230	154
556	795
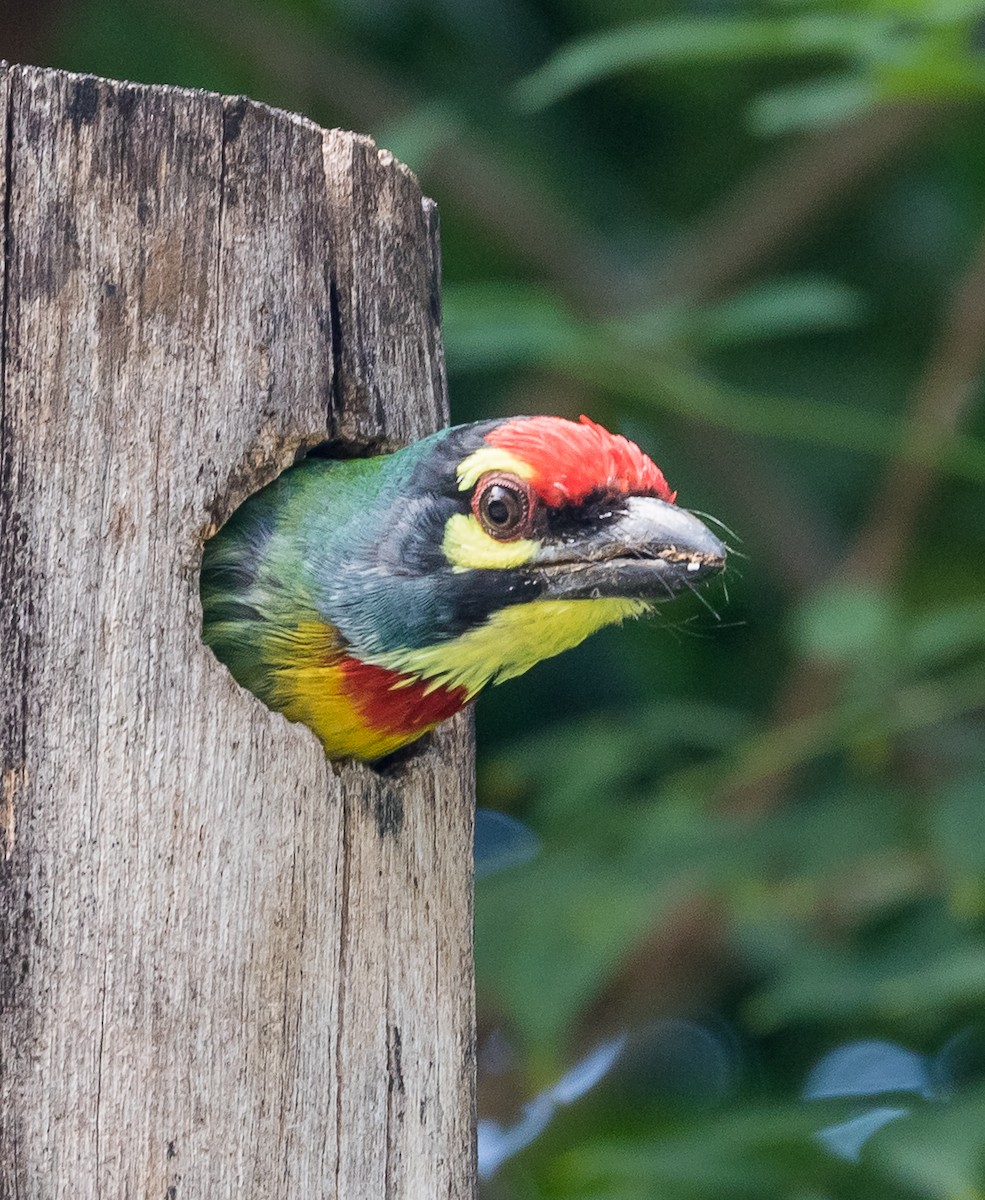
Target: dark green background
751	238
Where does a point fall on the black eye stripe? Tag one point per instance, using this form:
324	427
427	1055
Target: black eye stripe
594	511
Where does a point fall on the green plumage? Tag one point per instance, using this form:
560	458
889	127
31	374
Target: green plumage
354	544
369	598
261	574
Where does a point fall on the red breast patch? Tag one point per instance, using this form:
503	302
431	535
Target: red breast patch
386	702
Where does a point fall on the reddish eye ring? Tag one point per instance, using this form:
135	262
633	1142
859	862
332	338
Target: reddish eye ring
503	506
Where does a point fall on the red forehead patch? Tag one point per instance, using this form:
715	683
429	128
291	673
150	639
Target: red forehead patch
570	461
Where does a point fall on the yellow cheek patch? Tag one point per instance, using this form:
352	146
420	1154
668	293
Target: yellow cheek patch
467	546
511	641
490	458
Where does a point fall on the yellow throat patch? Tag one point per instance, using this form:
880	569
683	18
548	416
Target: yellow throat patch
512	641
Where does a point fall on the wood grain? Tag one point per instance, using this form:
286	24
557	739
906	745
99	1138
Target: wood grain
226	968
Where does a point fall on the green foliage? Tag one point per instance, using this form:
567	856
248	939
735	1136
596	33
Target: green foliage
891	51
769	817
635	363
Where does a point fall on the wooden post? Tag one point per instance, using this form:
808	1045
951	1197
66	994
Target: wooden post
227	969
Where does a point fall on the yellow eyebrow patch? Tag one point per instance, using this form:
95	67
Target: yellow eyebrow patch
467	546
486	459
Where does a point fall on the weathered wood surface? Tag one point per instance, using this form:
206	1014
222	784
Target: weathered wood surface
226	968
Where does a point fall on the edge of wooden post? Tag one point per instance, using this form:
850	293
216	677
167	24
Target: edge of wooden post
226	966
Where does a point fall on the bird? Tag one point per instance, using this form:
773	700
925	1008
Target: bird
373	598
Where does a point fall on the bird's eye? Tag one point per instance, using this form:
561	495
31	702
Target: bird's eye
502	507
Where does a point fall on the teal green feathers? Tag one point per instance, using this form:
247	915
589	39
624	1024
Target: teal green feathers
371	598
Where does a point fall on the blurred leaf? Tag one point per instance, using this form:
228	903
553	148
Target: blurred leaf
497	1143
785	307
947	633
582	766
781	308
811	105
501	842
548	935
868	1068
958	827
754	1153
684	1063
942	1153
685	41
501	325
916	982
845	623
421	133
506	325
847	1139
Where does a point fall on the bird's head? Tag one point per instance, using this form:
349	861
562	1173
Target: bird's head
493	545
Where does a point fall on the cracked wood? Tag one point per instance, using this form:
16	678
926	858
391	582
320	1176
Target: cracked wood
222	971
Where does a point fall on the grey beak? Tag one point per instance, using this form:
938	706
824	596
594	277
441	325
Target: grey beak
648	550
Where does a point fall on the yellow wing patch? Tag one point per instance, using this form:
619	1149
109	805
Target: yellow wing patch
510	642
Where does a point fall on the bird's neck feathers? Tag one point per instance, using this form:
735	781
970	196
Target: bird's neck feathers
508	643
368	709
356	709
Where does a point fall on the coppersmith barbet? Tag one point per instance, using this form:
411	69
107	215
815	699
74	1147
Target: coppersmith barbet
372	598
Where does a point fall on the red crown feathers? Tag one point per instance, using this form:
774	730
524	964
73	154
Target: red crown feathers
570	461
